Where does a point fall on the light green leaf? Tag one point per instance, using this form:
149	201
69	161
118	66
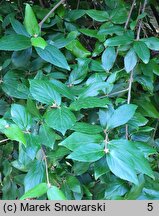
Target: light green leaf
88	102
87	153
60	119
21	116
121	116
54	56
14	42
44	92
30	21
152	43
130	60
97	15
78	49
13	132
37	191
38	42
142	51
108	58
54	193
78	139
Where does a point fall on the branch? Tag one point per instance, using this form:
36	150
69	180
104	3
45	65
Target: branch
52	10
130	12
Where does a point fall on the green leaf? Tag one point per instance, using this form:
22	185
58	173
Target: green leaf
21	116
73	15
38	42
121	116
118	30
94	89
87	128
100	168
78	49
60	119
118	41
97	15
18	27
73	184
87	153
88	102
44	92
14	42
37	191
54	193
35	175
130	60
108	58
54	56
142	51
30	21
47	136
124	160
148	109
13	132
73	142
152	43
13	86
62	89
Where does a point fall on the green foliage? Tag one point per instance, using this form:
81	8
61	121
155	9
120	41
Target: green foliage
79	101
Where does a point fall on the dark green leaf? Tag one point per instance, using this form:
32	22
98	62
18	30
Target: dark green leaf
142	51
14	42
100	16
54	56
60	119
88	102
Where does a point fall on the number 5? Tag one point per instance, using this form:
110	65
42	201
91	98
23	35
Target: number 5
150	206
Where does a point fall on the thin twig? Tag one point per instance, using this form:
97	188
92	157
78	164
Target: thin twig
132	72
130	12
51	11
118	92
156	127
46	168
78	3
5	140
41	3
140	22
